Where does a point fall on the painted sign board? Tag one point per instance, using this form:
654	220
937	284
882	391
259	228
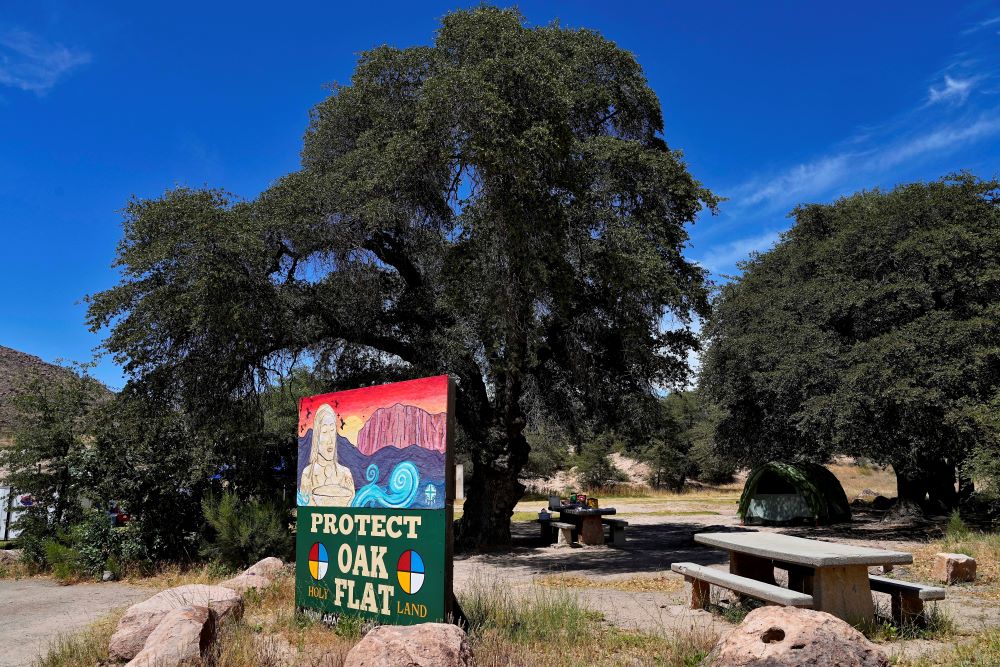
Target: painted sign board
375	489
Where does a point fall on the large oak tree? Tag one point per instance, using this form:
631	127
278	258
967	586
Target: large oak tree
872	330
500	206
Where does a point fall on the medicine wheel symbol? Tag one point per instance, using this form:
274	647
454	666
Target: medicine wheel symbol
318	561
410	571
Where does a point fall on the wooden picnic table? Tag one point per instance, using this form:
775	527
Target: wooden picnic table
836	575
587	521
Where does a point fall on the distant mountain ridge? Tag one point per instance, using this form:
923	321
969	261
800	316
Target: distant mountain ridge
401	426
17	370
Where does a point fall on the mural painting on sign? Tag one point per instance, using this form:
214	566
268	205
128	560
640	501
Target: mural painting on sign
375	488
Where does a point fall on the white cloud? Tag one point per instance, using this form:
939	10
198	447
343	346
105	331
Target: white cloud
942	139
982	24
839	170
34	64
952	91
724	256
800	179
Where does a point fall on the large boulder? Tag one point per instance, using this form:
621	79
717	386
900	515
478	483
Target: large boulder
142	618
9	556
243	582
269	567
954	568
424	645
181	637
789	637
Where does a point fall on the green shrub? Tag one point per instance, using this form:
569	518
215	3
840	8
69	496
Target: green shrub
64	560
595	468
104	547
956	530
241	532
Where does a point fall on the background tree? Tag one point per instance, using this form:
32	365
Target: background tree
53	428
871	329
500	206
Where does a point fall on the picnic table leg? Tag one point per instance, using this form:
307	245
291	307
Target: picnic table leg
752	567
844	591
800	578
907	608
592	530
700	593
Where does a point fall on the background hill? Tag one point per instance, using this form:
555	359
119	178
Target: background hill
17	369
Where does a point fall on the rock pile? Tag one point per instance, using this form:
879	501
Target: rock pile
176	626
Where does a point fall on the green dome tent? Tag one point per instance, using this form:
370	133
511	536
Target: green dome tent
782	493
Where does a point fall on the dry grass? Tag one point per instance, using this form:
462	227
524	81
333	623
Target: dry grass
984	547
548	626
172	575
981	650
855	478
83	649
660	583
16	570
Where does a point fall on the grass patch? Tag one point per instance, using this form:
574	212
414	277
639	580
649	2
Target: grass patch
83	649
658	584
984	547
980	650
936	623
550	627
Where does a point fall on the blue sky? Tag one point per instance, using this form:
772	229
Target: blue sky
773	103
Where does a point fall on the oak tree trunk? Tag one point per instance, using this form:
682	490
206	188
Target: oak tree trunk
930	484
489	502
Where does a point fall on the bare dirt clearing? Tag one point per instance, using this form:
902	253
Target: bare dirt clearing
634	589
34	611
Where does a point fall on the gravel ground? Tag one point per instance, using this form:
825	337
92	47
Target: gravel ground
35	611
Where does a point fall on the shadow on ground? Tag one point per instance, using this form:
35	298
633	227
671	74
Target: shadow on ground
650	549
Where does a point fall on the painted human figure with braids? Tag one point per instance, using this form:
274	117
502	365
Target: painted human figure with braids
324	482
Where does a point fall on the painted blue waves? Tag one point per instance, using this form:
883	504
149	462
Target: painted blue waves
429	465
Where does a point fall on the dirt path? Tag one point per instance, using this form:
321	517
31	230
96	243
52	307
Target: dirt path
660	532
35	611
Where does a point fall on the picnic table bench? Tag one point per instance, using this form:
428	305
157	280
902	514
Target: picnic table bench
564	532
907	597
700	578
834	575
616	531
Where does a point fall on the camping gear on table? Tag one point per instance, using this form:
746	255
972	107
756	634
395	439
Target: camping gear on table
592	502
784	493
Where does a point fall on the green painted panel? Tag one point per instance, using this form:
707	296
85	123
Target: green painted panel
389	565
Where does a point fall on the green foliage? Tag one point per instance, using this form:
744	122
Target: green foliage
956	530
103	547
63	559
594	467
242	532
869	330
499	205
54	425
680	446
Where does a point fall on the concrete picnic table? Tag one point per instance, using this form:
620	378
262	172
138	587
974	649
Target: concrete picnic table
587	520
836	575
